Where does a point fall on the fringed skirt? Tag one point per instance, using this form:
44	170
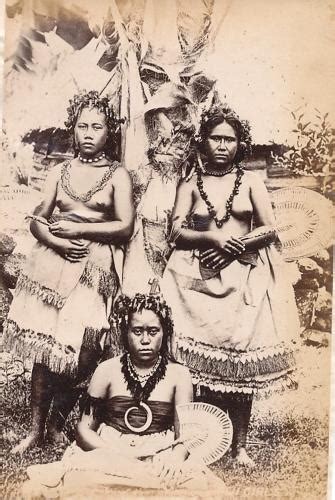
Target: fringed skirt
60	306
236	331
128	460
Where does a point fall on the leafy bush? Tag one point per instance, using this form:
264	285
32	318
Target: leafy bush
313	149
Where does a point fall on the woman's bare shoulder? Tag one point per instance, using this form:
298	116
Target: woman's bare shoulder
103	375
253	178
182	381
55	172
178	370
120	173
109	364
106	368
186	187
189	182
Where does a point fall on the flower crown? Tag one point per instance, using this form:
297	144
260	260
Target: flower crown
218	113
154	302
92	100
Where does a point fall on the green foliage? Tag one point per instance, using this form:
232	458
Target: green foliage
312	153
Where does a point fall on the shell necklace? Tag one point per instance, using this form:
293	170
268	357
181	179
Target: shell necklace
91	160
140	387
142	379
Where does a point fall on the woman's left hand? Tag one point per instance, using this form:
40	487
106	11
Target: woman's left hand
168	465
65	229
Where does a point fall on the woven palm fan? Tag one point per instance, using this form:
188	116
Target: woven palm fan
155	244
205	430
303	219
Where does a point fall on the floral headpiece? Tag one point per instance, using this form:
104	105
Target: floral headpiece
125	306
218	113
92	100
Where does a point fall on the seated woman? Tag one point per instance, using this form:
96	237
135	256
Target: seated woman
128	433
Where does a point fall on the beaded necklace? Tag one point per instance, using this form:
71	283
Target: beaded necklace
91	160
229	204
219	173
142	378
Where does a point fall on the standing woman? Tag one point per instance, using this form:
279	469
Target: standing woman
59	315
234	314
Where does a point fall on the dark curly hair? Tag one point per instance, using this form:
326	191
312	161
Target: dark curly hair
92	99
125	306
222	113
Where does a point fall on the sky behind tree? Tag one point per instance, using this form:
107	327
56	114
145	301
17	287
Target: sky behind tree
273	57
270	58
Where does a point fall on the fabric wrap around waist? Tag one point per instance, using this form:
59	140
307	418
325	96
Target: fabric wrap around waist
54	278
112	412
73	217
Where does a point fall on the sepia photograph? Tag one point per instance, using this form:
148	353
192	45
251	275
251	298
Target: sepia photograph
166	248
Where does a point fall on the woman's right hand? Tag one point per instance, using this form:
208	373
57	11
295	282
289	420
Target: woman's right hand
231	246
72	250
213	258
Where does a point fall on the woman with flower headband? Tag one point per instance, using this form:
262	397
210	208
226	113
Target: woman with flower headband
129	432
59	314
234	315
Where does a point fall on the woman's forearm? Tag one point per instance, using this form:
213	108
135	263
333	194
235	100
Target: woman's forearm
42	234
260	237
88	439
188	239
116	232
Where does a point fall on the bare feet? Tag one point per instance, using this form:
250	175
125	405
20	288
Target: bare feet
243	458
29	442
56	437
46	474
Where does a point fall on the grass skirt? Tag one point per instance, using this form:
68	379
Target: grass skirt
59	306
235	331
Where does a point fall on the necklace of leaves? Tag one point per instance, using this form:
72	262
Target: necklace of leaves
134	381
229	204
98	186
